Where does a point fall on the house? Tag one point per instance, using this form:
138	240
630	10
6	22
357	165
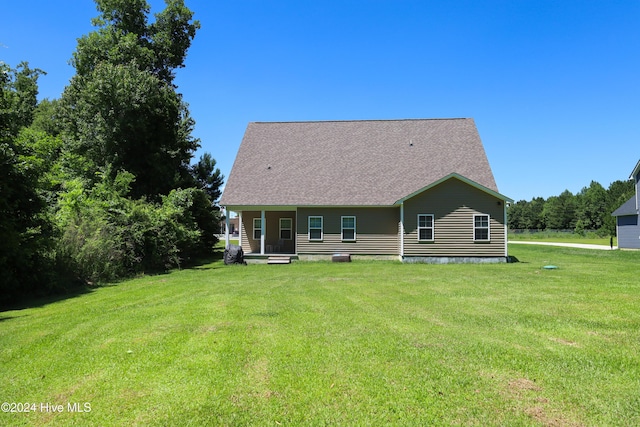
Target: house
415	190
628	215
230	226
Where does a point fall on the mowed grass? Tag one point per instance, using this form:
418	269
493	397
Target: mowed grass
362	343
562	237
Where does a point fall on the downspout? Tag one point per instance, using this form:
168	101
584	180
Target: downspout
401	230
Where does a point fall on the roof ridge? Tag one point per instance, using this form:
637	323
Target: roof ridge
363	120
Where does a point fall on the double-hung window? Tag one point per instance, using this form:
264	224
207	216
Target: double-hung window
425	228
257	228
286	226
481	228
315	228
348	228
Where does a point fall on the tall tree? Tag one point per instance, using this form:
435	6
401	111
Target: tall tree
123	122
208	176
592	206
121	110
24	226
559	212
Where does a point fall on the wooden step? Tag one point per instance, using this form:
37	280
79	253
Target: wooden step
279	260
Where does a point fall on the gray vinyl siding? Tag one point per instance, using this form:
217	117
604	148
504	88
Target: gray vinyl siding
272	232
454	204
628	232
628	229
376	231
637	181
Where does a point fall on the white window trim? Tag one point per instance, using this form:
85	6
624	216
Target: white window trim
433	228
488	228
321	228
289	228
342	228
253	235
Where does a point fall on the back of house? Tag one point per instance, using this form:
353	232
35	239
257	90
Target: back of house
415	190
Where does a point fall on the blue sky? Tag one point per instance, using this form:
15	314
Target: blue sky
553	86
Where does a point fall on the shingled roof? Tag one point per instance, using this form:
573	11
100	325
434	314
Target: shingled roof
352	163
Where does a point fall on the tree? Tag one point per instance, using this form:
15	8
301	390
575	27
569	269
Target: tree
527	215
132	201
534	219
24	225
45	117
208	177
122	118
121	110
515	213
591	207
559	212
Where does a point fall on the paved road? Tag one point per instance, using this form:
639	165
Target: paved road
568	245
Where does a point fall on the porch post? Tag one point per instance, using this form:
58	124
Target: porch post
226	227
401	231
506	231
240	228
262	231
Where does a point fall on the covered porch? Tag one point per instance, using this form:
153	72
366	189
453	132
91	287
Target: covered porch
267	231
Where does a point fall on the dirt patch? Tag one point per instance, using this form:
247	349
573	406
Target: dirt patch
529	399
520	384
539	414
565	342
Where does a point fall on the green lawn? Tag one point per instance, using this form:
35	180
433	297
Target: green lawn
362	343
561	237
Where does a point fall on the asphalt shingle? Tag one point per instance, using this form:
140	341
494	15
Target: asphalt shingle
352	163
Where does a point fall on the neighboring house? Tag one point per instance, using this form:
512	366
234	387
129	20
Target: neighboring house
628	215
233	226
229	226
417	190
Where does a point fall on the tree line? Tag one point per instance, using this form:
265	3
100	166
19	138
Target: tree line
101	183
588	210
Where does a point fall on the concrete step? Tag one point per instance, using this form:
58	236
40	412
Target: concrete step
279	260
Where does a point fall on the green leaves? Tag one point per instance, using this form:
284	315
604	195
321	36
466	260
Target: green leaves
588	210
25	226
125	118
125	37
98	185
121	110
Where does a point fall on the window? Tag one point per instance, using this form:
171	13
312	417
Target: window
481	227
349	228
286	225
315	228
425	227
257	228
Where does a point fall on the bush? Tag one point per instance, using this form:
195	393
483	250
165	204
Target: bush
107	236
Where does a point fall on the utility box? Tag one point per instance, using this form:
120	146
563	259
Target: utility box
341	258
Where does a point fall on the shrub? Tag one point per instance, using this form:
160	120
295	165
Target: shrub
107	236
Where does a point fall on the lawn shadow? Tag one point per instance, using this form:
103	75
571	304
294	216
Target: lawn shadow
79	288
513	259
205	263
41	301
